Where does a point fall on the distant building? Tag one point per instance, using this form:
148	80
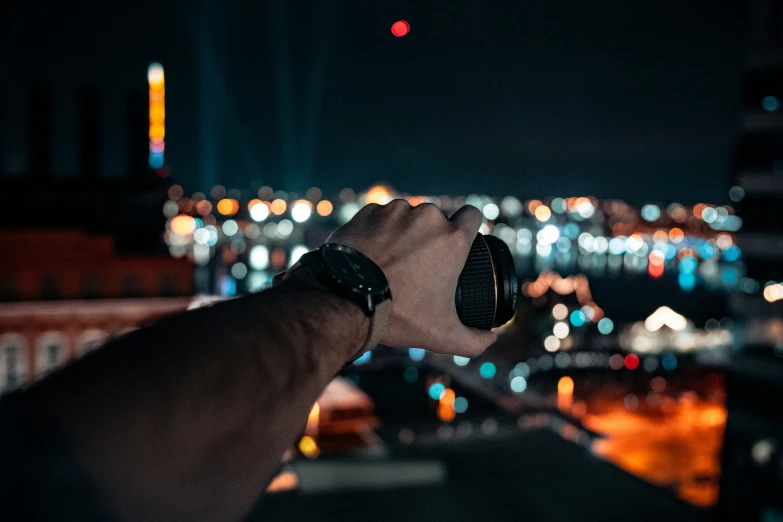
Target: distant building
758	169
752	459
83	259
38	337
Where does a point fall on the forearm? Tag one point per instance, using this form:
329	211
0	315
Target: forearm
188	419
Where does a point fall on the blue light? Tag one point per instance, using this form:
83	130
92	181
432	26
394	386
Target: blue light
770	103
669	362
732	254
651	212
228	286
578	318
156	161
518	384
616	246
571	231
410	374
417	354
687	281
460	405
522	369
730	276
707	251
436	391
688	265
487	370
461	361
364	358
605	326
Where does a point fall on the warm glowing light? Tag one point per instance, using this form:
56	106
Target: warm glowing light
278	258
379	194
560	330
183	225
773	293
660	236
724	241
400	28
203	207
157	115
676	235
278	207
655	271
260	211
285	481
324	208
313	420
308	447
228	207
533	205
565	385
301	210
157	132
155	74
657	258
565	393
631	361
543	213
560	311
446	413
447	399
665	316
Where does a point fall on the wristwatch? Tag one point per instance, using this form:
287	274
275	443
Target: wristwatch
353	276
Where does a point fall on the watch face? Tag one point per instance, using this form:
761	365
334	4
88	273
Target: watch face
354	269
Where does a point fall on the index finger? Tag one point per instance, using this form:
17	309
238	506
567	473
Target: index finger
468	220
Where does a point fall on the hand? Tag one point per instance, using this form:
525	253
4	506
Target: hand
422	253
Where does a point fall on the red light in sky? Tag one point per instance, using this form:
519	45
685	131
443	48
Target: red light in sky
400	28
632	361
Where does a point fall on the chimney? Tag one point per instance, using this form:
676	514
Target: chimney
90	150
137	134
39	113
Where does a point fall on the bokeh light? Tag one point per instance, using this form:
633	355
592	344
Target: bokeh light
400	28
324	208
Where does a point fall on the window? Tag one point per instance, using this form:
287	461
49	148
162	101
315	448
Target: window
131	286
13	361
49	287
91	286
168	285
89	340
8	290
51	352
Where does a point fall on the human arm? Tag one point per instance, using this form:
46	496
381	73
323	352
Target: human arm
188	419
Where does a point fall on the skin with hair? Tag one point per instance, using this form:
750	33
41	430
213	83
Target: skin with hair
188	419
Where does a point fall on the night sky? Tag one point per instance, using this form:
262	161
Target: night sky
534	98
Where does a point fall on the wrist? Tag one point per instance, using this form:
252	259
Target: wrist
352	324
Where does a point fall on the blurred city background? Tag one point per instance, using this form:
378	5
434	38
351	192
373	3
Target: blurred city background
159	155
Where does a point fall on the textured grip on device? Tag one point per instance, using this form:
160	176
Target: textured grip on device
475	297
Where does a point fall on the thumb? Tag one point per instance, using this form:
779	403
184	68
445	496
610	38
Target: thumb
465	341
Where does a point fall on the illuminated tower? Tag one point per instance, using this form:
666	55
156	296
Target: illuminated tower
157	85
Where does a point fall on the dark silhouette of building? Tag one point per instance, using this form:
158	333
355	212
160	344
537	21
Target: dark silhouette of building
752	459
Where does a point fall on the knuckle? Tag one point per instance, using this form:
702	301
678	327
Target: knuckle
398	203
430	211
